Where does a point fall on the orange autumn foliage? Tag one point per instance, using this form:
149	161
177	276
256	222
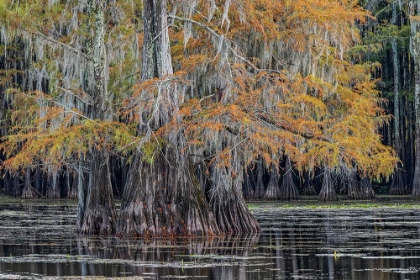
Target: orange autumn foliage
254	78
288	86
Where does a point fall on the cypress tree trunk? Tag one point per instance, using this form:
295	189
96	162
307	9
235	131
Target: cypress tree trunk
410	142
353	188
307	186
38	180
81	195
73	185
259	186
28	191
53	184
7	181
16	185
359	189
288	189
124	171
327	192
397	185
366	187
272	191
99	216
415	51
164	199
162	196
249	184
227	203
97	213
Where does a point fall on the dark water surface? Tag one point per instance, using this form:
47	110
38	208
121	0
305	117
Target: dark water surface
37	241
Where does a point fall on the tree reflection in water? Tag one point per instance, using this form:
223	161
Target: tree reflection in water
213	257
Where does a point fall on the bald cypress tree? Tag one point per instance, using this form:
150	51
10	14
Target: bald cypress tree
162	196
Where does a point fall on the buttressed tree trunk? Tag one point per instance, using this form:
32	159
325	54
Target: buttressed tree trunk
225	197
415	51
327	192
288	189
162	196
97	213
28	191
307	185
358	188
353	188
272	191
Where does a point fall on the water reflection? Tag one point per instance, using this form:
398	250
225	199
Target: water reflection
38	240
217	258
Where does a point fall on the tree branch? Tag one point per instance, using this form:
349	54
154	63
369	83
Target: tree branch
220	37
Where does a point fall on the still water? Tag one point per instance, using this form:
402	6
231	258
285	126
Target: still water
37	241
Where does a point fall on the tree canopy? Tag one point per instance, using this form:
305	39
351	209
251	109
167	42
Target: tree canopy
236	81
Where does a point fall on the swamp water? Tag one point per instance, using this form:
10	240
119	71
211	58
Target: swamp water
37	241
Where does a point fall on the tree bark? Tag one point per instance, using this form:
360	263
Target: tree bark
367	189
288	189
53	184
28	191
81	195
73	185
397	184
353	188
164	199
259	186
38	178
96	210
359	189
162	196
249	184
415	51
272	192
227	203
307	186
99	215
327	192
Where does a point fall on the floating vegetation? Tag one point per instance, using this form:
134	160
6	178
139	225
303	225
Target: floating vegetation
410	270
181	277
92	278
18	276
341	255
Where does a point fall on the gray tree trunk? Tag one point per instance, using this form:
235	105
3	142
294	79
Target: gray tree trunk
415	51
327	192
28	191
288	190
272	192
97	214
397	184
162	196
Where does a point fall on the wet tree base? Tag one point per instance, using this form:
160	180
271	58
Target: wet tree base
98	221
165	222
161	200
